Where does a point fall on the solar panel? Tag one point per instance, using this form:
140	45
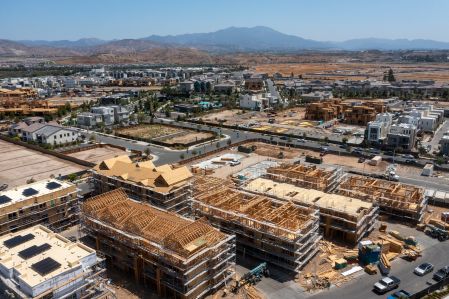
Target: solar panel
17	240
53	185
45	266
4	199
34	250
29	192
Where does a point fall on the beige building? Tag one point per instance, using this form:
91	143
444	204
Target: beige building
49	202
37	263
165	186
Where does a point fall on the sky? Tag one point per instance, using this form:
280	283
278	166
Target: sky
324	20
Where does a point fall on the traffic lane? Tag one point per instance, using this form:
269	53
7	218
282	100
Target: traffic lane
362	285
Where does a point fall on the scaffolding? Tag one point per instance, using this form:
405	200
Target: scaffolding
283	234
179	257
308	176
398	200
340	217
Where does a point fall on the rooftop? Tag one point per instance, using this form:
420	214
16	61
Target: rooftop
162	178
163	230
36	189
26	254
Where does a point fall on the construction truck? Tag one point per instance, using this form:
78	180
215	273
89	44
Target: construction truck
436	232
252	277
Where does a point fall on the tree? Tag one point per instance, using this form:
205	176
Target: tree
229	141
345	140
72	177
389	76
147	151
181	156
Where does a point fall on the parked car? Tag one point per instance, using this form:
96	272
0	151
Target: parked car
441	274
411	161
361	160
235	163
423	269
408	156
284	138
389	153
301	140
386	284
402	294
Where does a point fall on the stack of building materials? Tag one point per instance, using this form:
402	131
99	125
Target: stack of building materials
283	234
50	202
340	216
369	253
37	263
175	255
307	176
394	199
164	186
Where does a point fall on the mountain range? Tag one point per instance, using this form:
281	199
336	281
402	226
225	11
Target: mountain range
229	40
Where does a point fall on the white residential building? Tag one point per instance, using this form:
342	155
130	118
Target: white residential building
106	112
402	136
379	128
87	120
258	102
36	262
46	133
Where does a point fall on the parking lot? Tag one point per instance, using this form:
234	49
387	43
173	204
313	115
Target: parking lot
19	164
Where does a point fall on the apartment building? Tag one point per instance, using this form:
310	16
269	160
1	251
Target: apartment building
49	202
324	111
175	256
164	186
378	129
37	263
402	136
257	102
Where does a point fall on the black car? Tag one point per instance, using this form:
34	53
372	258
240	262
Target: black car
388	153
441	274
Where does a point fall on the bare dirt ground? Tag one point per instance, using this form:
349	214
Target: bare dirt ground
273	151
188	137
358	71
148	131
18	164
99	154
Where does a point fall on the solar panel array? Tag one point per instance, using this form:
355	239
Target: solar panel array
45	266
4	199
29	192
17	240
53	185
34	250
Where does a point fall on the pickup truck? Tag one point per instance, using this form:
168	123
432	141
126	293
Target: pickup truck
386	284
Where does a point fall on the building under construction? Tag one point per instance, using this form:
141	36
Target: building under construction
307	176
49	202
395	199
283	234
341	217
164	186
176	256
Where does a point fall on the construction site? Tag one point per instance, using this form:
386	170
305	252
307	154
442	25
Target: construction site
165	186
397	200
307	176
282	233
50	202
341	217
176	256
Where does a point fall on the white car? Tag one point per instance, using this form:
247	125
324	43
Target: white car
423	269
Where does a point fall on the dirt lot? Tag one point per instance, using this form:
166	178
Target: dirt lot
99	154
358	71
166	134
273	151
18	164
148	131
188	137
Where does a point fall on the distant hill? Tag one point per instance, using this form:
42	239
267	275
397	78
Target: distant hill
242	39
81	43
198	47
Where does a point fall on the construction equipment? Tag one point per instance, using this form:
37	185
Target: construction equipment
436	232
252	277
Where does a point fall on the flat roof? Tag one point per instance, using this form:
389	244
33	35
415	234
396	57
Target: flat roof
36	189
26	257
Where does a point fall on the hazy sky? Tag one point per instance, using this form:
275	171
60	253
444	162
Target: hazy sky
315	19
